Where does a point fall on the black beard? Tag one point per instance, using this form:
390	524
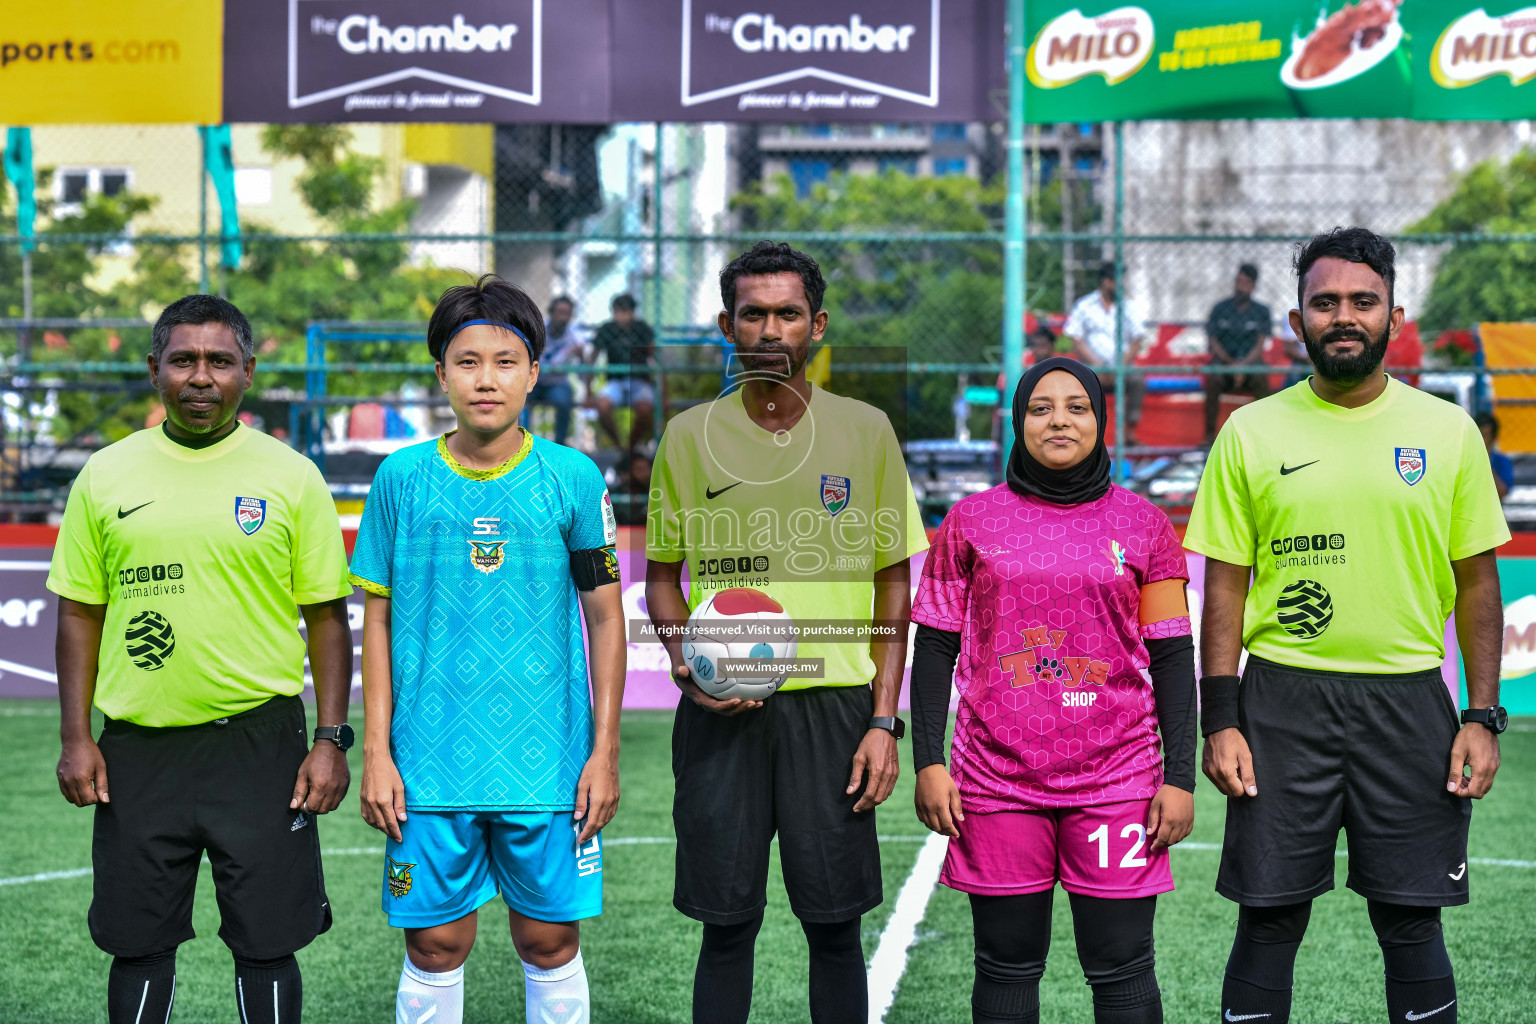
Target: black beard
774	360
1347	371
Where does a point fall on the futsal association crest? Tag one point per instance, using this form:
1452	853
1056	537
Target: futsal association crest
250	513
487	555
399	877
835	491
1410	464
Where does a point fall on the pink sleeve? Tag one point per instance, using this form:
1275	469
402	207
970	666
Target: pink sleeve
1166	559
1166	629
944	588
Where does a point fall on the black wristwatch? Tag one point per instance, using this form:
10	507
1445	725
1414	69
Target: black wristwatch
895	726
341	735
1495	718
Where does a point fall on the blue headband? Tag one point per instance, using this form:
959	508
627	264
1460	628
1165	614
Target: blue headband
492	323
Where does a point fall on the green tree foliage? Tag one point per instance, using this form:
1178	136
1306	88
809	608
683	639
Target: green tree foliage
281	286
942	301
1477	281
65	285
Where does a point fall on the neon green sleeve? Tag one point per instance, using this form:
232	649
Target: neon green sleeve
663	534
79	570
319	555
898	503
1477	517
1221	523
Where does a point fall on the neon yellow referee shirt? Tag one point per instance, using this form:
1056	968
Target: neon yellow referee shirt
202	557
806	516
1351	519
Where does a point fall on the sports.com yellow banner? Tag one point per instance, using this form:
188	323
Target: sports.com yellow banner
96	61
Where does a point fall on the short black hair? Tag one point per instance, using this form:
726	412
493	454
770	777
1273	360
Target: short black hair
1487	419
624	301
490	298
1353	245
202	309
1106	271
1249	271
565	299
767	257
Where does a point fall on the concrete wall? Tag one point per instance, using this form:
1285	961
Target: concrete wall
1285	177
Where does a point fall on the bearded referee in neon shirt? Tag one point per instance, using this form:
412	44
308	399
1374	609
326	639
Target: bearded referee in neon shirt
777	486
1366	512
187	555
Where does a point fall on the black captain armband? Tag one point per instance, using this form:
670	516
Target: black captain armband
1218	703
594	567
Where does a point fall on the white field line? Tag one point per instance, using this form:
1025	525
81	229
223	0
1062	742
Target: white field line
890	960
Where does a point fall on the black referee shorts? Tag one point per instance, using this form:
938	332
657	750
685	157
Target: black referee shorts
782	768
1368	753
221	788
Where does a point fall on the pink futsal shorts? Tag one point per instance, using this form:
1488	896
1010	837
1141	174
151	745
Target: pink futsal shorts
1094	851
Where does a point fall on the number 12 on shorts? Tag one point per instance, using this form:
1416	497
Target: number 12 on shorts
1132	858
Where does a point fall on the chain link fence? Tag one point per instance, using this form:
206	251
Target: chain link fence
367	224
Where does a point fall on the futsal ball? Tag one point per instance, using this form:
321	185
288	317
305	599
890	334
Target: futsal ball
1305	609
150	640
737	623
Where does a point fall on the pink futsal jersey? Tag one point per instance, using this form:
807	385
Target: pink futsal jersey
1056	709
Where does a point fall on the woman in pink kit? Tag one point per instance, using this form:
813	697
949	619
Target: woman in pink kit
1056	602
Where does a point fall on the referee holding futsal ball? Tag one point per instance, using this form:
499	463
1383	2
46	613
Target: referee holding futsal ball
185	558
1366	511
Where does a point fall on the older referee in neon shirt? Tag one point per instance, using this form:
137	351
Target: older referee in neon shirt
1366	511
186	557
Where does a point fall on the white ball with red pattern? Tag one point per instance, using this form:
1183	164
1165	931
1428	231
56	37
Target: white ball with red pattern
739	623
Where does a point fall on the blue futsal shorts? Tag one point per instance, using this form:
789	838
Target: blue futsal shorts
450	863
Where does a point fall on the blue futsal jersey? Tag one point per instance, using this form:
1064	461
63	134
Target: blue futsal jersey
492	710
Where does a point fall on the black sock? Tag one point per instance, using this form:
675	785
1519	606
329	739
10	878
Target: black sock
722	982
1013	938
1262	967
839	980
1420	983
269	991
141	989
1134	1000
1115	948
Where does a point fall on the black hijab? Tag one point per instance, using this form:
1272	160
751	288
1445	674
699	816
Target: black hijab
1086	481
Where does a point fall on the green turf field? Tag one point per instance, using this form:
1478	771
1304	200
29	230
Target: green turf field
640	953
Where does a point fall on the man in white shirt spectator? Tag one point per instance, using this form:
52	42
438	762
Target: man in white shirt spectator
566	342
1091	330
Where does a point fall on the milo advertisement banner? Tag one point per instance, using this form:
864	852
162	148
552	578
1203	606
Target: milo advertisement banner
1479	64
1422	59
1517	669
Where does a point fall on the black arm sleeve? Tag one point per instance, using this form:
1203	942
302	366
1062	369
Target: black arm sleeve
1173	690
934	654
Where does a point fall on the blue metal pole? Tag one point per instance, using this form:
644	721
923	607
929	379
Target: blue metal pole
1014	263
1121	470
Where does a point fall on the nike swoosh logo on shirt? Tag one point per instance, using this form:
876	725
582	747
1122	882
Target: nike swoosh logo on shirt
1243	1016
710	495
1287	472
124	515
1410	1015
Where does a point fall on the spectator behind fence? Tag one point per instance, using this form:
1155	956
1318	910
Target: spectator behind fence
566	343
1091	330
1503	466
627	341
1236	332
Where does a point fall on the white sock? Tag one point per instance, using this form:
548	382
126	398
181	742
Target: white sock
427	998
558	995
